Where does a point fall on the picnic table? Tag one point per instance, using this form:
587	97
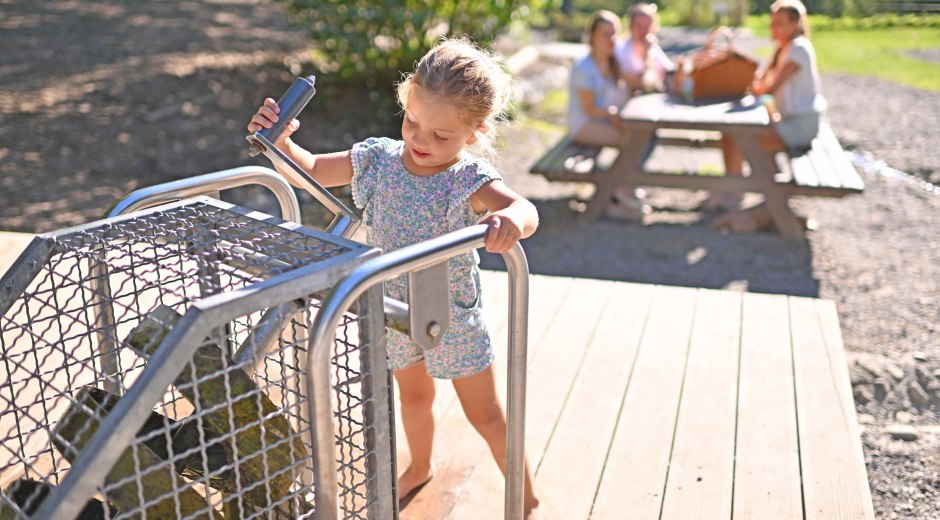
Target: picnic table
662	119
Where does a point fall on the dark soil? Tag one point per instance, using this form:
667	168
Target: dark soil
99	98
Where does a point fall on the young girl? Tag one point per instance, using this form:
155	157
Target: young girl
422	187
793	80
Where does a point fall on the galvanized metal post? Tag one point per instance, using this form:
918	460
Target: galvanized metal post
386	267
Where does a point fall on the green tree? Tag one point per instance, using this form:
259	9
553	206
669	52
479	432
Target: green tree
377	39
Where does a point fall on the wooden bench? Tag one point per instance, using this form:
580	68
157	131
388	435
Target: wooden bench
569	161
821	171
824	170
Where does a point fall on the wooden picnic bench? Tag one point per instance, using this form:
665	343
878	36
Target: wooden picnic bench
659	120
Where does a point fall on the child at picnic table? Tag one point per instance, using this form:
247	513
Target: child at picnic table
792	79
420	187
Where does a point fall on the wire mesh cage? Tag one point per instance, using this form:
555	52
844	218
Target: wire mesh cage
152	368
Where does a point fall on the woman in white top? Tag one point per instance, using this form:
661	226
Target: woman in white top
793	81
596	95
643	62
596	92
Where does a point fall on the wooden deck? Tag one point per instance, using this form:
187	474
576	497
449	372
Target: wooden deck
659	402
665	402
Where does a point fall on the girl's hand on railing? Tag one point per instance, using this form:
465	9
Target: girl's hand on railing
502	234
266	116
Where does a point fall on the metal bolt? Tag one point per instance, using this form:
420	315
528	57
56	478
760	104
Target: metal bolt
434	329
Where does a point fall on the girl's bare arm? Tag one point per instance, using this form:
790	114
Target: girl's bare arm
331	169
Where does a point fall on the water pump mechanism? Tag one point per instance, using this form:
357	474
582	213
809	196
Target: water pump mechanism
292	102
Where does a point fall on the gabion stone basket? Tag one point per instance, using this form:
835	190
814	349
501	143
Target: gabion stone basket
150	367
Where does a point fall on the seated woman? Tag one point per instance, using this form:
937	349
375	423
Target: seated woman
793	81
596	95
643	62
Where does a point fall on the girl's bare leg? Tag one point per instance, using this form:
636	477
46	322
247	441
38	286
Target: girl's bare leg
416	394
481	404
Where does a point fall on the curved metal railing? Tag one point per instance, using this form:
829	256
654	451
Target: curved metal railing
148	197
208	183
378	270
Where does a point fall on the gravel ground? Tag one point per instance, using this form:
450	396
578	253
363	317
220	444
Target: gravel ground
100	98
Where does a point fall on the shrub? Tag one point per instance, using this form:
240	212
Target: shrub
377	39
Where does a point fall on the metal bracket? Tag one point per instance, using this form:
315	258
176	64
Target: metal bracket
429	304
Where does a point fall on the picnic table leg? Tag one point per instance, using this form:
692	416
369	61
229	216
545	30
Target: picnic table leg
629	161
776	195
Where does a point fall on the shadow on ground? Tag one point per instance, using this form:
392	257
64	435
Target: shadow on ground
668	254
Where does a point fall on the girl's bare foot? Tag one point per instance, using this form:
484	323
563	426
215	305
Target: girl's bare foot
533	514
410	483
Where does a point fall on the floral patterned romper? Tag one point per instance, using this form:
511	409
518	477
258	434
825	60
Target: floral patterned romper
400	209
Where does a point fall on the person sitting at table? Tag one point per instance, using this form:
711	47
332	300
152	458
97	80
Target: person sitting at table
596	95
643	62
793	81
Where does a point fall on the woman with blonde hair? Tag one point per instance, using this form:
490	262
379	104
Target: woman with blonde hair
643	62
792	79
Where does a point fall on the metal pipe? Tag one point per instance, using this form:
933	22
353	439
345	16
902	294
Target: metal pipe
378	270
345	221
201	184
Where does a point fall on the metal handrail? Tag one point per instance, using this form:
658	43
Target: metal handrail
386	267
211	182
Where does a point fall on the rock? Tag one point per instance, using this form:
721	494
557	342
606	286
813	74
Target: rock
869	365
864	418
902	432
863	394
920	357
882	387
859	375
923	376
896	372
918	396
903	417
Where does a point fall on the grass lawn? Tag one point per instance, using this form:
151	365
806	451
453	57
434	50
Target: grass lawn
884	52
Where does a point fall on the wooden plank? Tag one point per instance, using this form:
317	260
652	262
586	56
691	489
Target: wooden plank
848	175
574	459
458	448
701	468
835	485
804	173
828	178
767	467
634	476
551	376
554	157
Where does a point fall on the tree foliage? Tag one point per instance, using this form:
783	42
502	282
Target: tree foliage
379	38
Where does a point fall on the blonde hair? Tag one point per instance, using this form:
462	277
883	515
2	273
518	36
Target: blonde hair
644	9
795	11
464	76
